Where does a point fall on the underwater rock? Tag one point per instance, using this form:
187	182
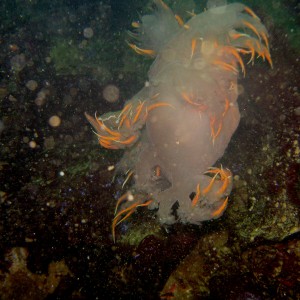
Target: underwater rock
267	218
217	268
20	283
177	127
192	276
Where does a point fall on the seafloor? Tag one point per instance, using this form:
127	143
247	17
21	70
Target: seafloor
56	192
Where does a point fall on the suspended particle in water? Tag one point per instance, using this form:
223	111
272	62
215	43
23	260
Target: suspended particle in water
41	97
25	139
111	93
110	168
88	32
54	121
32	144
31	85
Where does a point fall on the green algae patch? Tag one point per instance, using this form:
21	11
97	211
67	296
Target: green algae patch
85	58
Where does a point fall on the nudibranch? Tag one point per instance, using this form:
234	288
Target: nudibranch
175	129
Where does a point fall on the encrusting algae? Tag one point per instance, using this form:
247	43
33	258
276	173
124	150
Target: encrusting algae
179	125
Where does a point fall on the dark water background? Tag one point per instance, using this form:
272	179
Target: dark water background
56	192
